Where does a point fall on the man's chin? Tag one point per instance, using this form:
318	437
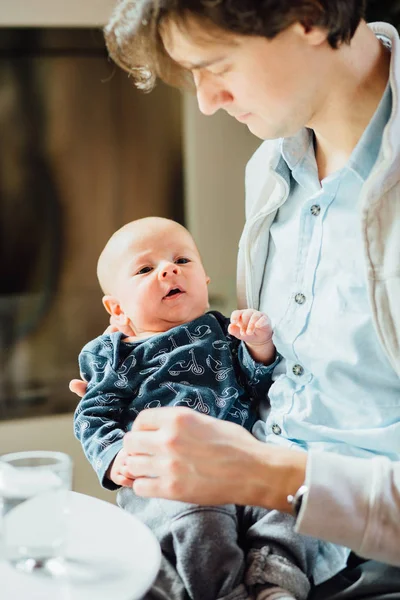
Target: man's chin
262	133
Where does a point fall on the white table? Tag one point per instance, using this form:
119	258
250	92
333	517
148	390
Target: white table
111	556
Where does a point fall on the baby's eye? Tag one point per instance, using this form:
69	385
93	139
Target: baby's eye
182	261
144	270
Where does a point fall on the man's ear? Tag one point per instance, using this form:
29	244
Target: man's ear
113	307
315	36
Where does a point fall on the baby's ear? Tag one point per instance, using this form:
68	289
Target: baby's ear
113	307
208	279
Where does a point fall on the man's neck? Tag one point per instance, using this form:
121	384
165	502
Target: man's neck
359	77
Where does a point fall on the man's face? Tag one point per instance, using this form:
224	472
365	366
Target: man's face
270	85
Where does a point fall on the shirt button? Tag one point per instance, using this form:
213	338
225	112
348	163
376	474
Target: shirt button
298	370
315	210
276	429
300	298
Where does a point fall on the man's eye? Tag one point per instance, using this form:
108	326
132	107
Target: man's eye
182	261
144	270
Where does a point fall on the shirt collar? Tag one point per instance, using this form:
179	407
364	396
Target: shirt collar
298	155
295	148
365	154
298	151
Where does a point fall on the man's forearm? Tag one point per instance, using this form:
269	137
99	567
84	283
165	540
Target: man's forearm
276	473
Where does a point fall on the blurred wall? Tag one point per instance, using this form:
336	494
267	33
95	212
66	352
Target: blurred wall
50	13
216	150
114	155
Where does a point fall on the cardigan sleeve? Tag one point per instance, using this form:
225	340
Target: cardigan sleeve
354	502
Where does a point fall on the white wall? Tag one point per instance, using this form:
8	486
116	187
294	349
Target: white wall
53	13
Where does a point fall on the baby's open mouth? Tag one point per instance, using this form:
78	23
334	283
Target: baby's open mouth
173	292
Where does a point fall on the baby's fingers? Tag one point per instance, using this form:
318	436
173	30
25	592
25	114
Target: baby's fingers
234	329
262	322
252	322
235	317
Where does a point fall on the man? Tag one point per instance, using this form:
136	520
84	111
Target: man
319	254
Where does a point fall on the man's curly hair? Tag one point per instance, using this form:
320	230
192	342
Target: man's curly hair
134	41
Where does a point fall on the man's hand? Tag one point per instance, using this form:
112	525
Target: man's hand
177	453
180	454
126	329
78	387
117	472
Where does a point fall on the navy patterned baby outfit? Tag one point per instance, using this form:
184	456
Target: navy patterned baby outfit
198	365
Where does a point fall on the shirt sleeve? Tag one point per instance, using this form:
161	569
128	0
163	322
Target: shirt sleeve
102	416
354	502
258	376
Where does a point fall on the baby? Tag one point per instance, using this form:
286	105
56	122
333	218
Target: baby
180	354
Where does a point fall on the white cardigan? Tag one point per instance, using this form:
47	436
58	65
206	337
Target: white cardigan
361	497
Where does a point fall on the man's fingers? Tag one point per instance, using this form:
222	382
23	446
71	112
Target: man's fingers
141	442
78	387
155	418
148	419
124	328
111	329
140	466
125	481
148	488
153	435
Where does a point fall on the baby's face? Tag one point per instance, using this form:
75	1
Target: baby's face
160	281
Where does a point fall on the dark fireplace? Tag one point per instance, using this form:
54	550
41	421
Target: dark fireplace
81	153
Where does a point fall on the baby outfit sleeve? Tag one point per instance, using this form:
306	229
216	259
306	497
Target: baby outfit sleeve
102	416
258	376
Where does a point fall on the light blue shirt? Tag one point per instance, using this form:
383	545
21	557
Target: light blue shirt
335	389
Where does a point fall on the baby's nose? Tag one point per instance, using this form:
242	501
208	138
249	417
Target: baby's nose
169	270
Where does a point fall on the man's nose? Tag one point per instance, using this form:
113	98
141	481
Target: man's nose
211	96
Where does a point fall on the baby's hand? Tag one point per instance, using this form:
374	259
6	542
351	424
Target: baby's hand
251	326
117	470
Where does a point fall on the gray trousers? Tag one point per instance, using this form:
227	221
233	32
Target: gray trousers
229	552
368	581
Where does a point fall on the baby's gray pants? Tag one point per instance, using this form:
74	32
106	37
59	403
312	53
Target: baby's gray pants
217	549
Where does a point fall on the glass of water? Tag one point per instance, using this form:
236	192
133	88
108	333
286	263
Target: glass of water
34	509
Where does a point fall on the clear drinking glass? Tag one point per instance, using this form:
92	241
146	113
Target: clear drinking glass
34	507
